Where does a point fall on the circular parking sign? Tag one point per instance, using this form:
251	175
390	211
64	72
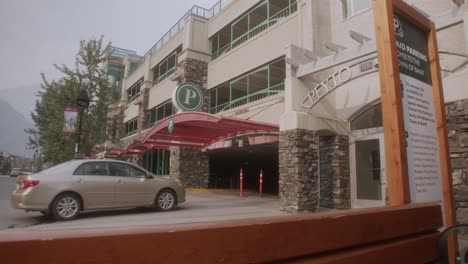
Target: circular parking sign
187	97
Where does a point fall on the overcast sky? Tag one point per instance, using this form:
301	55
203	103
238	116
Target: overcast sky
35	34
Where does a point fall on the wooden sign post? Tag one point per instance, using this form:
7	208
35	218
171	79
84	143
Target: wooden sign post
416	143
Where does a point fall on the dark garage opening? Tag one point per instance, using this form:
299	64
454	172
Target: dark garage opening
225	167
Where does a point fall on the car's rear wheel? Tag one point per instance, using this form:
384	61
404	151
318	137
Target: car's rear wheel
66	206
166	200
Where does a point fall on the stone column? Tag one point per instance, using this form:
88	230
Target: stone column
196	71
143	113
190	166
298	166
334	172
457	122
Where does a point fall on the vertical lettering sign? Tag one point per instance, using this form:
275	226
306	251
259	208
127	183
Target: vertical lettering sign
418	112
187	97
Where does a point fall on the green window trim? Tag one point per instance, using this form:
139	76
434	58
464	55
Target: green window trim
131	127
134	91
157	161
166	108
270	20
166	66
259	93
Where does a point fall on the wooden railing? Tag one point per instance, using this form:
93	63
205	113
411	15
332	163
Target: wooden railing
403	234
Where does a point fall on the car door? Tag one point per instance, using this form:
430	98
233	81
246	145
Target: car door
132	188
93	182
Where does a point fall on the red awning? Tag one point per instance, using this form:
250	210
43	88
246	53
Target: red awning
199	130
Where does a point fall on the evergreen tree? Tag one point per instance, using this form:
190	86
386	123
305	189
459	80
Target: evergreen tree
48	138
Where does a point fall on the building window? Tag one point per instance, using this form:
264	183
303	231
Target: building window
114	80
256	20
134	91
354	7
156	161
370	117
255	85
160	112
131	127
167	66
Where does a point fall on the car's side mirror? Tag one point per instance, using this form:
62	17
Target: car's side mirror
149	176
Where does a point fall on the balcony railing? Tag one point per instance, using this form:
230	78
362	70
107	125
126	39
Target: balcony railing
276	89
257	29
195	10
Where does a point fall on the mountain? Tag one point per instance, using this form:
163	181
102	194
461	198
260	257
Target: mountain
13	139
22	99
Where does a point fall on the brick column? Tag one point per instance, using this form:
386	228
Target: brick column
457	122
190	166
196	71
334	172
298	166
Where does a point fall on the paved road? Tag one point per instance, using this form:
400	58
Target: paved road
10	217
197	208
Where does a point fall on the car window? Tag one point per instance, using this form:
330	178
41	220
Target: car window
92	168
119	169
135	172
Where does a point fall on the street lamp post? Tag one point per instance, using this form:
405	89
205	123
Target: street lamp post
83	102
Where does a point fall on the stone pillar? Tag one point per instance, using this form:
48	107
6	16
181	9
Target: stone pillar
298	166
143	113
334	172
457	122
196	71
190	166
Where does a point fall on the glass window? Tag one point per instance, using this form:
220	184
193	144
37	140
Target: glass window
239	88
369	118
258	81
258	16
135	172
92	168
118	169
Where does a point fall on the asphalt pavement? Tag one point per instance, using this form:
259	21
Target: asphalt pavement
10	217
201	207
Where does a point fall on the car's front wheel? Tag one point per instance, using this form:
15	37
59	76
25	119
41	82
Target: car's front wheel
166	200
66	206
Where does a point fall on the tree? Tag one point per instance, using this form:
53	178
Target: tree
87	73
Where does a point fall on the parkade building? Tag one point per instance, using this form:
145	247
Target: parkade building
256	63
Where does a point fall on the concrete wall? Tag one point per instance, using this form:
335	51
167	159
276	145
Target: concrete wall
161	92
168	48
131	112
267	110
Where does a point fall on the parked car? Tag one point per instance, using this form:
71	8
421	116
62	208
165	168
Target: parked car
65	190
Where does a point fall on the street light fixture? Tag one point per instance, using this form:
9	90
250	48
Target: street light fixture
83	102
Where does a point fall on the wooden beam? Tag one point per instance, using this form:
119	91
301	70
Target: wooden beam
235	241
443	143
418	249
392	109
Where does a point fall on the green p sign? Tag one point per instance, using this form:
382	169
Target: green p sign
187	97
170	126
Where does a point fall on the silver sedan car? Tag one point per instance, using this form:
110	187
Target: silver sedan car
64	190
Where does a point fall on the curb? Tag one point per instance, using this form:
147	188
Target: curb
220	191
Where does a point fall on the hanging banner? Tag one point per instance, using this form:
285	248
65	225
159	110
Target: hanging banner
70	117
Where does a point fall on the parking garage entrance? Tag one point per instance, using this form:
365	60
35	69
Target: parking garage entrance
225	165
